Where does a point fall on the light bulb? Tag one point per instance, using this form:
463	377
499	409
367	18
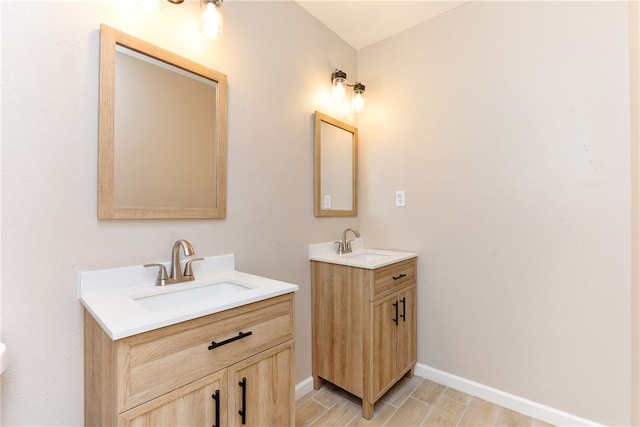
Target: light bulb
211	21
357	102
150	5
338	83
338	90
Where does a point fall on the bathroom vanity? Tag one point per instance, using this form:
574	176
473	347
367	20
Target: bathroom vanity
223	362
364	320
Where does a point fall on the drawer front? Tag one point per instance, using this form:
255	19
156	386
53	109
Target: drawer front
391	277
160	361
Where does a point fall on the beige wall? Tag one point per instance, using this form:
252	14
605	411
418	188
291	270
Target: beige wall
278	60
507	125
634	55
512	144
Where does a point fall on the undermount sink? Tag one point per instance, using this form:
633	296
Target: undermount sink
367	257
174	298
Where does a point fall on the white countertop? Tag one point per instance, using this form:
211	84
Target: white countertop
359	256
110	295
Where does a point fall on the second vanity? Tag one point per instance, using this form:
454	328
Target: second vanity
364	319
166	356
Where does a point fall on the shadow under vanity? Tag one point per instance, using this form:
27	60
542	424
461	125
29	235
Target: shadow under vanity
364	318
214	349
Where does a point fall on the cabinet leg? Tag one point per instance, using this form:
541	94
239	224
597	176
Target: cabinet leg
317	382
409	374
367	409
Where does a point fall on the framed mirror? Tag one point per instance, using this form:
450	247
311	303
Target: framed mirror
335	168
162	143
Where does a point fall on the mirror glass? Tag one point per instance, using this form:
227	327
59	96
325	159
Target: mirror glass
162	139
336	167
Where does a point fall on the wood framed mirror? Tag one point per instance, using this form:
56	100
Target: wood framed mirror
162	142
335	167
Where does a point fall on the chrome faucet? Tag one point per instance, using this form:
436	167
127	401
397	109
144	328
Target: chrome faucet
344	246
176	275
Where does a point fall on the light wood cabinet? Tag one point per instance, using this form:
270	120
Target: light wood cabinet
221	370
196	404
364	327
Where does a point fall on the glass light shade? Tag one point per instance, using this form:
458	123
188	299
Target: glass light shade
357	102
211	22
338	91
150	5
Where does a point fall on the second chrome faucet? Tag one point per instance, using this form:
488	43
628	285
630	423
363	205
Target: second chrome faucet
176	274
344	245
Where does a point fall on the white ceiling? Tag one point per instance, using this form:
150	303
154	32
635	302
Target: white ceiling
364	22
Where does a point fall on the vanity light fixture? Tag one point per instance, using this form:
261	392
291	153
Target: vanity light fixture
210	18
357	102
339	85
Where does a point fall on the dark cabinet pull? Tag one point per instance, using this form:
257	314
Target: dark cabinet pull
237	337
404	309
243	411
399	276
395	304
216	397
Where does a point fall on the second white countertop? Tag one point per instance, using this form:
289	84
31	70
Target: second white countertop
359	256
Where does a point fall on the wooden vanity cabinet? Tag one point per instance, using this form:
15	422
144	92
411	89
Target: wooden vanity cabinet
364	327
176	376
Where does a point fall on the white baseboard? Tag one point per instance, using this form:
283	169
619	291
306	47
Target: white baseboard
502	398
303	387
516	403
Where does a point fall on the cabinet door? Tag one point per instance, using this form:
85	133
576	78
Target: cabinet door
197	404
261	390
407	326
383	368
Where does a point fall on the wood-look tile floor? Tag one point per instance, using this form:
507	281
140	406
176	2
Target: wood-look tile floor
411	402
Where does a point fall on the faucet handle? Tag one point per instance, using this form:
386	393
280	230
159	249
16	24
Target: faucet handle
162	274
340	247
348	247
187	268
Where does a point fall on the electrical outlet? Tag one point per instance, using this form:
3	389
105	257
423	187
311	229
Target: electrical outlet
327	201
401	200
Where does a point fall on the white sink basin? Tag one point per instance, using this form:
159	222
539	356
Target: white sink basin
367	257
173	298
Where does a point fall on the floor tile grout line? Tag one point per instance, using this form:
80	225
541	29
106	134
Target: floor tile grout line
327	409
355	416
411	392
322	404
391	416
317	418
466	408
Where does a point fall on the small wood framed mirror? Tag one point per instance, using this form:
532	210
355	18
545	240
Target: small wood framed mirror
162	142
335	168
